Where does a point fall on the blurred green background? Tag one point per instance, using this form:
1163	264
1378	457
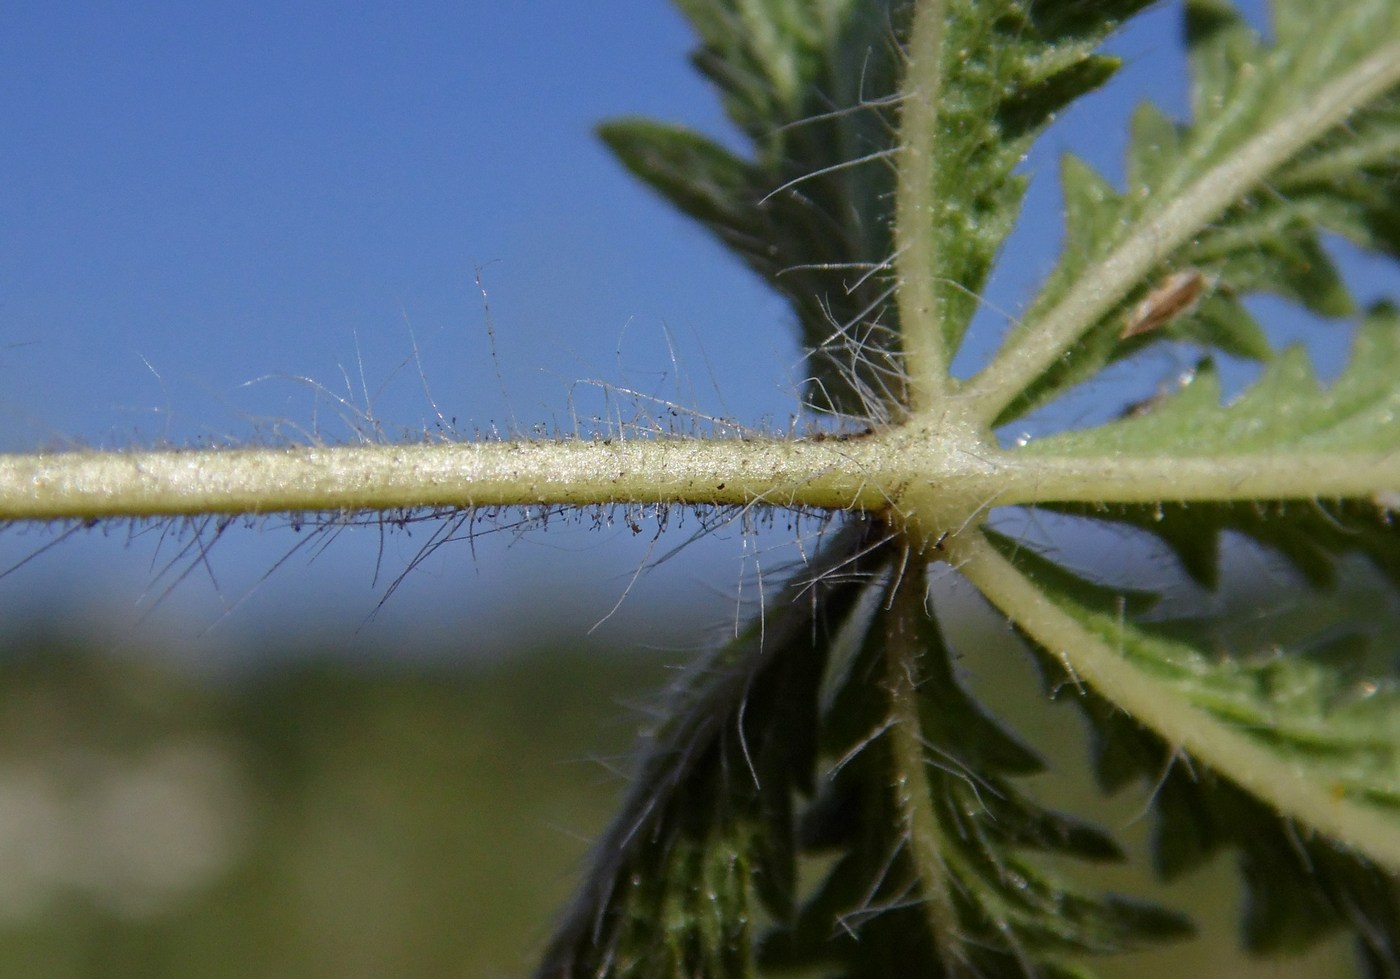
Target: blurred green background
386	816
327	818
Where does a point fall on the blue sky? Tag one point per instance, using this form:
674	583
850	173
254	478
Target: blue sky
209	211
238	223
195	198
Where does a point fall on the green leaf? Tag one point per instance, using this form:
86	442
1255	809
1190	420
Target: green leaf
876	188
813	86
810	85
1309	696
1289	435
705	843
1347	184
935	873
1007	67
1299	887
1311	535
1265	239
1287	411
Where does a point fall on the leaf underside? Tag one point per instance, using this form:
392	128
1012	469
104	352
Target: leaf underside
1313	696
813	89
1270	240
837	741
707	838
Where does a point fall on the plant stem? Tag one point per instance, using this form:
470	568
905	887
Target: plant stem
1202	736
930	479
912	791
1280	475
925	360
88	485
1030	352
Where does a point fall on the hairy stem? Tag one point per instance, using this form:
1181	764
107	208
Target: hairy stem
930	479
925	363
1282	475
912	791
83	485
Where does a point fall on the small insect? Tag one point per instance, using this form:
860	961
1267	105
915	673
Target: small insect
1176	294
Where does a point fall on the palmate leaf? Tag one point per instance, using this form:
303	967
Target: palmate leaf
956	889
1311	535
1287	410
1269	239
705	844
933	855
1287	414
814	88
1331	712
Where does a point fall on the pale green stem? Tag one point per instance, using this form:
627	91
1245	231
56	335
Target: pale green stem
945	485
1294	475
1101	287
933	479
1204	737
916	259
913	794
85	485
